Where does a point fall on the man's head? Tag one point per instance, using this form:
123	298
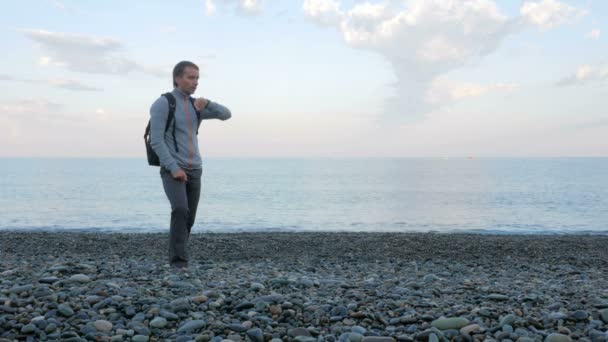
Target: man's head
185	77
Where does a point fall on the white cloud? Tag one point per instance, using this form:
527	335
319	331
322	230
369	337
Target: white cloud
586	73
246	7
422	39
58	83
87	54
547	14
443	90
71	85
324	12
209	7
594	34
37	108
425	39
39	127
58	4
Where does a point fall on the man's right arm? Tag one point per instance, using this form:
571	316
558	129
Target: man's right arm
158	120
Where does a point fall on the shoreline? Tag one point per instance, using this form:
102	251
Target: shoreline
305	287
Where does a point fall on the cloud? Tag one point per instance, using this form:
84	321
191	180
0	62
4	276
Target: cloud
58	4
58	83
31	109
547	14
39	127
87	54
585	74
443	90
209	7
72	85
593	34
245	7
425	39
323	12
422	40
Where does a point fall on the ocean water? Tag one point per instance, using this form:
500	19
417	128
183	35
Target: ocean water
501	195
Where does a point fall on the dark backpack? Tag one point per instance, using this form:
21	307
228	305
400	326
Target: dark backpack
152	156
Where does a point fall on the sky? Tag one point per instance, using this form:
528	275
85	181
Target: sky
311	78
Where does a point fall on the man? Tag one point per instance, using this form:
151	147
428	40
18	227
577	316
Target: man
180	160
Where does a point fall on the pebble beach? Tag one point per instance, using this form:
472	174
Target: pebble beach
305	287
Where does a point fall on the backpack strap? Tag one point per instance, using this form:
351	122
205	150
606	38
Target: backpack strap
171	116
198	114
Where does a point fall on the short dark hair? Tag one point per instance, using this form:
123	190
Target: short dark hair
179	68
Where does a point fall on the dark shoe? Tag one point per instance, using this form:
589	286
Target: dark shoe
181	265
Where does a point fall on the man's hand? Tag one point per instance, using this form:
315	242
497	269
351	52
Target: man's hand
180	175
200	103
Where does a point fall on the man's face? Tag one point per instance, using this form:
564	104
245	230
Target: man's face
188	81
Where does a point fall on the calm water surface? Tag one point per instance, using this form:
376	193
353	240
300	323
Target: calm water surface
502	195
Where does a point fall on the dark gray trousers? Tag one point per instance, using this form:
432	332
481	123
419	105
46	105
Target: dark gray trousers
183	197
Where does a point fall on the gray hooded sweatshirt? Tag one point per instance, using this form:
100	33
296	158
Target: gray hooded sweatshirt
186	123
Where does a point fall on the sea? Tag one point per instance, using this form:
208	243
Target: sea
431	195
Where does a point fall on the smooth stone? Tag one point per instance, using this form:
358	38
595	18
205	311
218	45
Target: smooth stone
497	297
158	322
404	338
433	338
130	311
580	315
20	289
554	337
80	278
244	305
181	304
48	280
255	335
140	338
358	329
377	339
485	313
50	328
604	315
93	299
430	278
235	338
169	315
28	329
450	323
558	315
202	338
65	310
469	329
237	327
191	326
526	339
298	332
354	337
507	320
304	339
199	299
103	325
257	287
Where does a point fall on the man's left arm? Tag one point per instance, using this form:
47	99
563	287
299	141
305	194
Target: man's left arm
212	110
